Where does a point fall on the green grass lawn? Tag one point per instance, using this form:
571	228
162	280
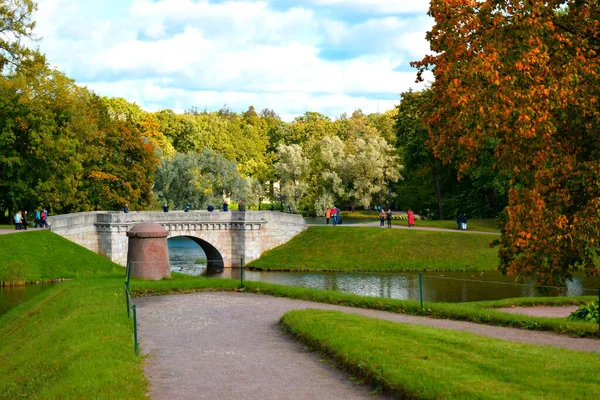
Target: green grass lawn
421	362
73	341
43	256
375	249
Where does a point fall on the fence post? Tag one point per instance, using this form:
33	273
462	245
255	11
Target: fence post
135	336
421	288
127	298
599	306
128	274
242	272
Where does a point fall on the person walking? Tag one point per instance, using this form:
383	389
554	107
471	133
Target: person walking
17	219
166	207
411	218
327	215
38	218
24	220
459	220
382	218
464	222
389	217
333	215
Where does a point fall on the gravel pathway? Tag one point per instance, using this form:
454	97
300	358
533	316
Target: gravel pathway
229	345
541	311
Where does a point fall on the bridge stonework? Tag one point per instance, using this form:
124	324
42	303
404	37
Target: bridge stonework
228	236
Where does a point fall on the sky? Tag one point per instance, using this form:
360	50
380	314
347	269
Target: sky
328	56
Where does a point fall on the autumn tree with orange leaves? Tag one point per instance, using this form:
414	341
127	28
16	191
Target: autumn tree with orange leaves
520	79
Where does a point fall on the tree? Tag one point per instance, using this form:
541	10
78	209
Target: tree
521	79
197	179
292	168
15	25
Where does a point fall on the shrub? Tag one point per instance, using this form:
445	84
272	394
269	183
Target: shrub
586	313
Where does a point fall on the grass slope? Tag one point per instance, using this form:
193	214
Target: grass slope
43	256
376	249
73	340
421	362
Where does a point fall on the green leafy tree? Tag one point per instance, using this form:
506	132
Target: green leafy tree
198	179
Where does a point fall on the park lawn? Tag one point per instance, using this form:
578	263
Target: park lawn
44	256
341	248
420	362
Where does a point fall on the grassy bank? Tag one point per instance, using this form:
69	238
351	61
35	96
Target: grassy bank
73	340
44	256
480	312
420	362
375	249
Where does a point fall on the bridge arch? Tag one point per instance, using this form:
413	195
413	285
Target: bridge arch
214	259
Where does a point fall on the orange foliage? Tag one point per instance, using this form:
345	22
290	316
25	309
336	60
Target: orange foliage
522	77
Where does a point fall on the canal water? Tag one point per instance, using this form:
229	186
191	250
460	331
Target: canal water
187	257
12	296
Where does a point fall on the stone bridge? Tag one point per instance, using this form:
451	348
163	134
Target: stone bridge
225	237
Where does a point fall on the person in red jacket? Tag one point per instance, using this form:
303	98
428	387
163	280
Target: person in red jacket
411	218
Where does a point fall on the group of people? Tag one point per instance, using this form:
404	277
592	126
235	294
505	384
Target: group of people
333	214
461	221
383	215
20	219
210	208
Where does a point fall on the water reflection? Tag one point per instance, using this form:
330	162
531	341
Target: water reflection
188	257
438	287
12	296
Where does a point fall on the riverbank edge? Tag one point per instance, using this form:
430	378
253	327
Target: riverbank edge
74	341
478	312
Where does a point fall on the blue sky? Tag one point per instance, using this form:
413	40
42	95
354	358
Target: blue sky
329	56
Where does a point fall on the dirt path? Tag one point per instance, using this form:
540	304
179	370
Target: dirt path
229	345
417	228
541	311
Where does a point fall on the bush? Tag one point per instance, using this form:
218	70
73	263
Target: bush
586	313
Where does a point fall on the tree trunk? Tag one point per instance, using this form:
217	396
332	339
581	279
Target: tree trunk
438	189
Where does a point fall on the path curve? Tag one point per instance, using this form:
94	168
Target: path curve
229	345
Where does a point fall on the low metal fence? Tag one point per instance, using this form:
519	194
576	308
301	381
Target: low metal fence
131	309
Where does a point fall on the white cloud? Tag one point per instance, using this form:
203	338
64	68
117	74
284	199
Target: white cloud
183	53
378	6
